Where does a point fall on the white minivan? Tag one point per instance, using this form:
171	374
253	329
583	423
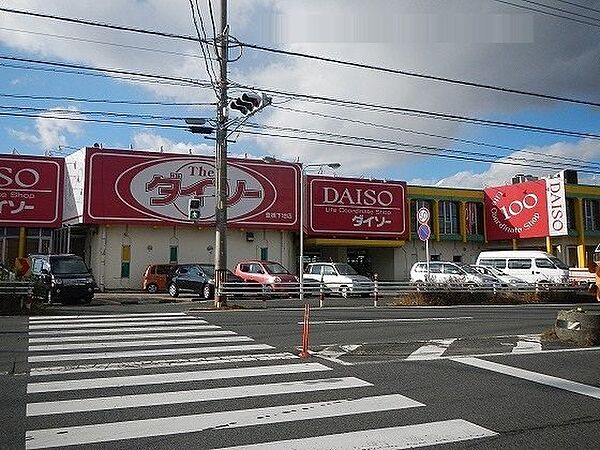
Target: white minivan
531	266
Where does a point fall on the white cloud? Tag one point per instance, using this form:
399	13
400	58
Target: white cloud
52	129
464	39
551	155
154	142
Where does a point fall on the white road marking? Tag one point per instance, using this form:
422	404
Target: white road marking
176	377
191	396
153	364
104	432
117	337
129	323
560	383
154	342
433	350
425	319
330	354
528	343
408	436
102	316
90	332
142	353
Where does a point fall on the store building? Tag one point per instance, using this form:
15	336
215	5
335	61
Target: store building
123	210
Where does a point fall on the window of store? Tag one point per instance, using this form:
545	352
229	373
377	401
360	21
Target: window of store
415	205
448	218
474	218
38	240
591	213
9	240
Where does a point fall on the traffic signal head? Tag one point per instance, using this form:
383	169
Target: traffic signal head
194	209
249	103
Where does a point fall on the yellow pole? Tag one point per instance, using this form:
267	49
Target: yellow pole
548	244
580	227
462	220
435	220
515	244
409	220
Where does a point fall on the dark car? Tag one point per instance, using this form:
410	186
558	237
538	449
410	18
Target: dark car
64	278
197	278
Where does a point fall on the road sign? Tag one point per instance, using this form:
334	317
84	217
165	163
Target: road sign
423	215
22	267
424	232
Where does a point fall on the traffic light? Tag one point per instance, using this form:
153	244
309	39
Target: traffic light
250	103
198	126
194	209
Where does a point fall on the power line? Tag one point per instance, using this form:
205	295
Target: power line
420	75
106	70
554	8
424	113
319	58
548	13
482	156
208	66
396	150
577	5
102	100
423	133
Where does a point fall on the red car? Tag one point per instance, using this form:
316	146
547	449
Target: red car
268	273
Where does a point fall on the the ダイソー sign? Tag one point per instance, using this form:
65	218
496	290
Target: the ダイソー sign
357	208
155	188
31	191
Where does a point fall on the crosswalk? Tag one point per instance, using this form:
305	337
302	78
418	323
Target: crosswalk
114	381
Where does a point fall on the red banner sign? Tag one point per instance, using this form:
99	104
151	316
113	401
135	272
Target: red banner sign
154	188
516	211
357	208
31	191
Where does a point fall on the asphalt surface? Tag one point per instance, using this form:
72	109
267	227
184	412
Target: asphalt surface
457	377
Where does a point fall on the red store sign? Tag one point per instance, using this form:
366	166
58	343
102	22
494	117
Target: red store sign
516	211
31	191
154	188
357	208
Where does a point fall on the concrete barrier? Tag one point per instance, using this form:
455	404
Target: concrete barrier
578	325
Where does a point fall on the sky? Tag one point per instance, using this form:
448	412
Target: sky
485	42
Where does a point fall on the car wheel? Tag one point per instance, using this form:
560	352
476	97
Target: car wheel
152	288
173	290
207	292
344	291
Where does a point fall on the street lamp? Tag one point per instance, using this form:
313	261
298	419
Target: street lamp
305	168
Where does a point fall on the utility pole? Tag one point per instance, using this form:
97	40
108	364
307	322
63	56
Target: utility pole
221	165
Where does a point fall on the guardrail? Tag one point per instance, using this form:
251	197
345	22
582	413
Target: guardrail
380	289
15	296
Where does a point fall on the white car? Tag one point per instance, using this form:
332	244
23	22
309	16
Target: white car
441	272
500	275
340	278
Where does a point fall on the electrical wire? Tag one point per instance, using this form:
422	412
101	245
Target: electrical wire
423	133
102	100
420	113
554	8
548	13
577	5
208	66
320	58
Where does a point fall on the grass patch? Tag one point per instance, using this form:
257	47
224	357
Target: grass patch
485	298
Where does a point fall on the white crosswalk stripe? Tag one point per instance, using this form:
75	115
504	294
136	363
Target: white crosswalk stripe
84	366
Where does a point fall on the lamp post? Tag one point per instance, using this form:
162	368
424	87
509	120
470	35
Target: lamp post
302	205
305	167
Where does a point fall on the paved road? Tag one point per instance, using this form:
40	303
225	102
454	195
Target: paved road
163	376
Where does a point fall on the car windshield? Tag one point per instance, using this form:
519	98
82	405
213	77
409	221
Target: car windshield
468	269
208	269
68	264
345	269
275	268
558	263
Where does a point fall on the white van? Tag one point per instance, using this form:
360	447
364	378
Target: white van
528	265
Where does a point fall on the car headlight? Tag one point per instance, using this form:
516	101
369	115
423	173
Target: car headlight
276	280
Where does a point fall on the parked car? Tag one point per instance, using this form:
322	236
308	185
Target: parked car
198	278
157	277
443	272
64	278
340	278
530	265
501	276
270	274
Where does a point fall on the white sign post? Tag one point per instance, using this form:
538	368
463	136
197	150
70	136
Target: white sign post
424	231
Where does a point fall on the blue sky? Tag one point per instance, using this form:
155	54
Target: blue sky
524	50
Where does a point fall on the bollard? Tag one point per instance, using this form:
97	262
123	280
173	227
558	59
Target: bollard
321	292
305	333
375	291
